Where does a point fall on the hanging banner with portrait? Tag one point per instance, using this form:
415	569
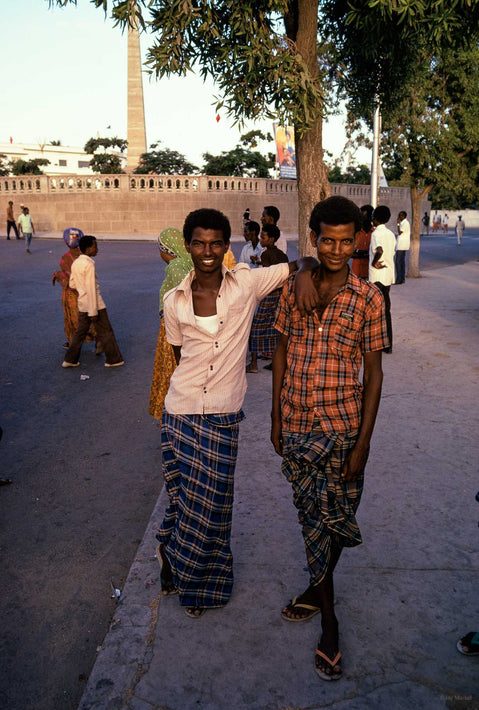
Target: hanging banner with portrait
285	150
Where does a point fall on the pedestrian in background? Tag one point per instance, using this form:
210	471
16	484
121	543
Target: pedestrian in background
91	307
178	264
71	237
25	224
403	243
11	224
460	227
360	260
381	265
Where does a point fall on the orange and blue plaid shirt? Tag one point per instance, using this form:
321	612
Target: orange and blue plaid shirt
321	386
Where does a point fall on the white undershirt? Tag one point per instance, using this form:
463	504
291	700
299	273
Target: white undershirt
208	323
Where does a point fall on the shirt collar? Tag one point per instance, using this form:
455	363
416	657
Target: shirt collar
185	285
353	282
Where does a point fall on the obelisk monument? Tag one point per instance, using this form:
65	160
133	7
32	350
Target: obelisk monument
136	133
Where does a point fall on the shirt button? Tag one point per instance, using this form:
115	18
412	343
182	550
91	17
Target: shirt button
320	330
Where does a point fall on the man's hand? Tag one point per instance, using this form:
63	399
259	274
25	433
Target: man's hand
54	278
277	435
305	292
355	462
379	265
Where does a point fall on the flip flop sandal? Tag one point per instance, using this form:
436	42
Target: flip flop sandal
294	604
471	642
332	663
168	587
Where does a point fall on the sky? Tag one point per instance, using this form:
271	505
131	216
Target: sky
64	77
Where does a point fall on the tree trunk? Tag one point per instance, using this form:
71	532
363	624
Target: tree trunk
417	197
313	184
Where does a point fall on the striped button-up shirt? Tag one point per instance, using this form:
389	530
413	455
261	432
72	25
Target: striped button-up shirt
321	386
211	375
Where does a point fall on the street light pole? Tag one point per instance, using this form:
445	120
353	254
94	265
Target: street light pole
375	156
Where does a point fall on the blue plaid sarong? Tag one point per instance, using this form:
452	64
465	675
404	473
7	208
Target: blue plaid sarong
199	459
263	336
325	501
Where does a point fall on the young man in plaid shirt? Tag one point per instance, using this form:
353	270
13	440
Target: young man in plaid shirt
323	415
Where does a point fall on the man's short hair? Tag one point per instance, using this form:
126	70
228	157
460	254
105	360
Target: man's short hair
333	211
272	231
403	213
86	242
272	212
253	227
382	214
206	219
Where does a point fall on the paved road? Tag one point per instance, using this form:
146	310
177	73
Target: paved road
84	458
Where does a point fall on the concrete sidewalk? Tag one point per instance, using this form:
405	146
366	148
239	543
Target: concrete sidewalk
404	597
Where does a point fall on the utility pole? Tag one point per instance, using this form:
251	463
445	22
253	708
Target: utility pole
375	156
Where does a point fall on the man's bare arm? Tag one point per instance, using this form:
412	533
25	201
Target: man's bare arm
279	368
372	381
377	255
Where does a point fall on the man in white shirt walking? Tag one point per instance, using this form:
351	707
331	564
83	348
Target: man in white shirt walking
402	246
381	261
91	308
460	227
25	224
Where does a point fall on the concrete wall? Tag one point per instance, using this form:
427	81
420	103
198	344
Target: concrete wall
141	206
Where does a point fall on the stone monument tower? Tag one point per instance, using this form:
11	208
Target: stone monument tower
136	133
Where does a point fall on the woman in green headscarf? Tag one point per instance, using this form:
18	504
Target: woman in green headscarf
173	252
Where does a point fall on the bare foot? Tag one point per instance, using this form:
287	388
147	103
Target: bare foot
166	576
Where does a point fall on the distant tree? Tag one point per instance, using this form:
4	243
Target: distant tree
354	175
103	161
241	161
4	167
163	161
55	143
252	138
28	167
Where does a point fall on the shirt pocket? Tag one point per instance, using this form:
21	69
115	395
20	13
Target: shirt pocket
297	326
347	335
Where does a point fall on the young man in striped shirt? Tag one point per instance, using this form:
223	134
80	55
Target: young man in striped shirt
323	415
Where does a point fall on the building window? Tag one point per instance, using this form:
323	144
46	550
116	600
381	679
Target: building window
62	163
83	163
